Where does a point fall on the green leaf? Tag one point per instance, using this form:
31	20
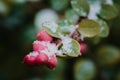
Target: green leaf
95	1
71	16
52	29
89	28
64	23
84	69
81	7
108	55
72	50
108	11
104	32
59	5
75	49
66	27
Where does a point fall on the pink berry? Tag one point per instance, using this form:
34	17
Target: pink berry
52	62
37	46
42	35
30	58
83	47
41	59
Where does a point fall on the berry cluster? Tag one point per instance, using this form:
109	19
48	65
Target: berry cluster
42	55
46	48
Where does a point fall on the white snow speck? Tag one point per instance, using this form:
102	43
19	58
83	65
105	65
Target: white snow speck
51	48
66	41
45	15
33	53
37	42
94	10
109	2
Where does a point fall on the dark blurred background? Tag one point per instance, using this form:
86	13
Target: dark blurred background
18	30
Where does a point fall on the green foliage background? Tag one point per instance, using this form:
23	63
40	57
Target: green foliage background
17	32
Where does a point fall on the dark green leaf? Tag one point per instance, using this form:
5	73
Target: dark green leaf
59	4
104	28
71	16
108	11
80	6
84	70
107	55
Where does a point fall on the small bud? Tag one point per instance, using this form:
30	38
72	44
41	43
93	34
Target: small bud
52	62
42	35
83	47
30	58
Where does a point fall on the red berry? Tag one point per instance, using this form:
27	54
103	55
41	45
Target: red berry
41	59
38	46
52	62
83	47
30	58
42	35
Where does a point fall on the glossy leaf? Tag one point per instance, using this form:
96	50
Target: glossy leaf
75	49
67	29
71	16
89	28
104	32
108	11
84	70
50	30
80	6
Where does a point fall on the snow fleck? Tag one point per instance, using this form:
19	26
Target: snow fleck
33	53
60	52
109	1
37	42
74	2
94	10
51	25
51	48
81	10
82	37
66	41
45	15
69	28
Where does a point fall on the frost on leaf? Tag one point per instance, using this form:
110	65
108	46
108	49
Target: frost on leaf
51	28
51	25
66	41
70	47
